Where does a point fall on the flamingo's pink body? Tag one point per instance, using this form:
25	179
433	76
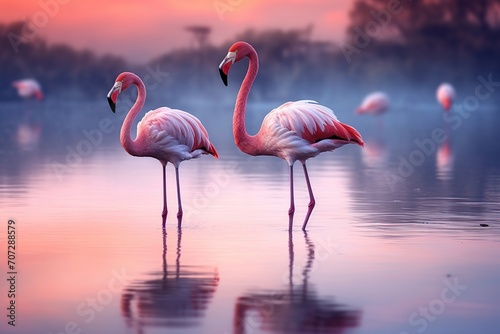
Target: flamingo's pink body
374	104
445	95
294	131
169	135
28	88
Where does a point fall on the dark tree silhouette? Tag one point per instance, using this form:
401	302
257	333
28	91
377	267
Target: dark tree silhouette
451	38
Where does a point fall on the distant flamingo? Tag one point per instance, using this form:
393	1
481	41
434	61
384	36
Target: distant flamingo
169	135
374	104
294	131
28	88
445	95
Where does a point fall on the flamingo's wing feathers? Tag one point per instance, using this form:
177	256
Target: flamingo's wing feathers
166	124
313	122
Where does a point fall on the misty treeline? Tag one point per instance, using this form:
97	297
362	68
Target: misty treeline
423	41
59	68
389	43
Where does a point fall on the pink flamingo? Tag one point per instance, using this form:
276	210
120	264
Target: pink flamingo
28	88
445	95
294	131
374	104
169	135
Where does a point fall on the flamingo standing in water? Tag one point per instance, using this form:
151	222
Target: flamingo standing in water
28	88
445	95
374	104
169	135
294	131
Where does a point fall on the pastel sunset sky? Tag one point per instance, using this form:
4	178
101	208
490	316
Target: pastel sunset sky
141	30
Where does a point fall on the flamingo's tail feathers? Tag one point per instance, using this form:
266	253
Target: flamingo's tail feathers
213	151
353	135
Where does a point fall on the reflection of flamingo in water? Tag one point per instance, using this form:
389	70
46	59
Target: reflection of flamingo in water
445	95
169	135
375	153
444	161
294	131
170	298
297	309
28	136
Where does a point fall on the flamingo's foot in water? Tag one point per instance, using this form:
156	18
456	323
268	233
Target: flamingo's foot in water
311	205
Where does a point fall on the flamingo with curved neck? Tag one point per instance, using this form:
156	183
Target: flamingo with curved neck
294	131
169	135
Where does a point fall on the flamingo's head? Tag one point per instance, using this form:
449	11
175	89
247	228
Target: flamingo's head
122	82
113	94
236	52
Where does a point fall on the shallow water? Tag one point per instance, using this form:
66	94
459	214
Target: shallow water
391	246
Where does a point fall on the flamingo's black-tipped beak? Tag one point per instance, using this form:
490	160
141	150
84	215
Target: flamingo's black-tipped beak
223	76
225	65
113	95
112	104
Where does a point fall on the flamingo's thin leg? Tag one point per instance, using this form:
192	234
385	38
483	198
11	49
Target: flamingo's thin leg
179	213
312	202
291	211
165	211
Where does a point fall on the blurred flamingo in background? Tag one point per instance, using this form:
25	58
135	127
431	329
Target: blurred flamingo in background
375	103
28	88
169	135
294	131
445	95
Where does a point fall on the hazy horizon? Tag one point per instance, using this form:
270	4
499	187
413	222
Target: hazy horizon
160	27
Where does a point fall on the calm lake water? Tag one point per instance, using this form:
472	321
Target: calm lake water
405	236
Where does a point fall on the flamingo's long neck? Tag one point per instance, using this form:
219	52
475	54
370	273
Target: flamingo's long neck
243	140
130	145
